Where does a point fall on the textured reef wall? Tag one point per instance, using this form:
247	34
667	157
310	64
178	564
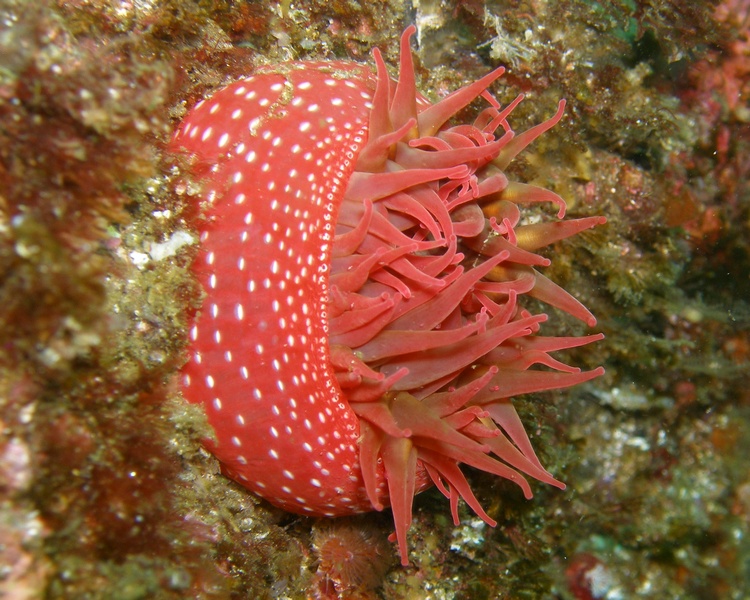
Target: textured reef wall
105	490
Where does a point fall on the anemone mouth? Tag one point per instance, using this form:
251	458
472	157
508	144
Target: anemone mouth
429	337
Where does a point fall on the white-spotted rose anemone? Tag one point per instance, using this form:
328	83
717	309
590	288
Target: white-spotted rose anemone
365	266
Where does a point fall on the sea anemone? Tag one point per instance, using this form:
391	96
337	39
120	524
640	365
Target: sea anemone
353	557
365	265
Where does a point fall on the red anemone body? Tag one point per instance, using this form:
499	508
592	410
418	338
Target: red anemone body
365	269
